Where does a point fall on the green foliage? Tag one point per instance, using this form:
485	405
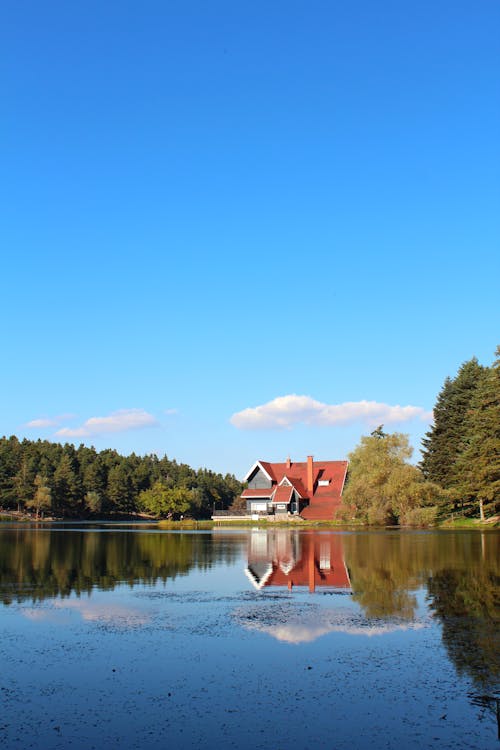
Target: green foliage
66	485
462	450
478	468
82	482
42	499
120	490
382	487
166	502
93	502
444	443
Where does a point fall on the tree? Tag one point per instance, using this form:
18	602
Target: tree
67	492
94	477
161	500
478	467
383	487
10	459
93	502
42	498
445	441
23	482
119	490
378	432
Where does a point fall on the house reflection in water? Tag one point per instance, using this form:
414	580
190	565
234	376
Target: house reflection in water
287	557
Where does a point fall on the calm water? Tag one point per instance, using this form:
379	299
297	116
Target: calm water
126	636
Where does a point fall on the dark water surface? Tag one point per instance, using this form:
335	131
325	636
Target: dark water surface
132	637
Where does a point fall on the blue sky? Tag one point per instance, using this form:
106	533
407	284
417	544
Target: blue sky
211	207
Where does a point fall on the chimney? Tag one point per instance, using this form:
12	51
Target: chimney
310	474
288	463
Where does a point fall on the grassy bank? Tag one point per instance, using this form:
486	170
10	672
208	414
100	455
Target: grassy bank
471	523
191	524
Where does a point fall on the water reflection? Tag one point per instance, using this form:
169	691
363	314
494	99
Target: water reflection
287	557
37	564
360	583
316	561
459	572
298	623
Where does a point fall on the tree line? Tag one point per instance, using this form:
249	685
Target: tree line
460	465
52	479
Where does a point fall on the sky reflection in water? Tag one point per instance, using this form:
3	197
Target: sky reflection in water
249	638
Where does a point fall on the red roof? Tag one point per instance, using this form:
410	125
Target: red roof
283	494
297	485
332	471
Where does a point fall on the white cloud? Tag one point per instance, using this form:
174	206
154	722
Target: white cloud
44	422
96	611
171	412
306	631
91	611
286	411
304	627
118	421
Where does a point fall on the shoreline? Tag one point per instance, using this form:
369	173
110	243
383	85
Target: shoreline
472	524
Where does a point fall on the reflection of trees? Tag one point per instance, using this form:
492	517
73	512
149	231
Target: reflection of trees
464	593
385	569
462	574
468	604
41	564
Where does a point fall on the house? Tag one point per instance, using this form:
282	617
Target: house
311	489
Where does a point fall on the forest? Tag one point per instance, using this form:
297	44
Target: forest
49	479
459	473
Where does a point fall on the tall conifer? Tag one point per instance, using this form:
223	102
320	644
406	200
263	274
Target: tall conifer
478	467
445	441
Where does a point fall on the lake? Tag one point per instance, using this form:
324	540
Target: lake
116	635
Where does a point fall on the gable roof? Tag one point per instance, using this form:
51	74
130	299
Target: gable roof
263	466
283	494
298	487
333	472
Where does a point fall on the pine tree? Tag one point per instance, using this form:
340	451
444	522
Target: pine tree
23	481
478	467
67	492
119	489
10	461
446	440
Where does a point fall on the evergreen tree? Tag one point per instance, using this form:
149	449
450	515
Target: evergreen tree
478	467
10	461
119	490
23	481
67	493
445	441
94	478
